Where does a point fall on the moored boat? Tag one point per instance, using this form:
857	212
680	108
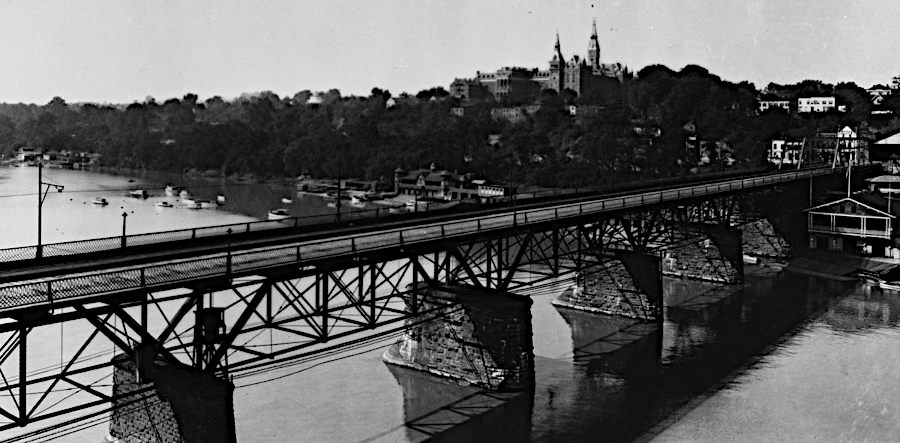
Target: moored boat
279	214
206	204
99	201
870	278
890	285
220	198
138	193
172	190
188	201
184	193
163	204
193	205
287	200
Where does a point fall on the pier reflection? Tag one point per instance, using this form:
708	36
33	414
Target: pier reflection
631	380
622	380
441	410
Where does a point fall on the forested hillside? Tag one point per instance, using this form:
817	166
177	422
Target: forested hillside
638	128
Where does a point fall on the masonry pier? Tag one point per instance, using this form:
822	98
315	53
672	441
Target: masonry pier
172	403
627	285
479	337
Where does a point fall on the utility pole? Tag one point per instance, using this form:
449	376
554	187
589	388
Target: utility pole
42	195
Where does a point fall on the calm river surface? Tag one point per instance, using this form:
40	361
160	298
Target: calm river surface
781	358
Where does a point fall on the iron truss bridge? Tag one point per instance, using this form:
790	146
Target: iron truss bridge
236	313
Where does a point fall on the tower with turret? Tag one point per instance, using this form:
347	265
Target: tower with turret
557	69
594	50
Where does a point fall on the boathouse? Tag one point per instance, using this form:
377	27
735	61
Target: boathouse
862	223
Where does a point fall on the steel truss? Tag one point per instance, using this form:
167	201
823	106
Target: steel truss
227	327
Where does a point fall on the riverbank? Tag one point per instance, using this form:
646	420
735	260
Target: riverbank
194	174
834	266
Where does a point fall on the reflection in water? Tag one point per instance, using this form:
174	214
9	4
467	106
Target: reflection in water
869	308
629	387
442	410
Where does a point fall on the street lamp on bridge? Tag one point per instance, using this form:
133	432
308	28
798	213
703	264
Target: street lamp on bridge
42	195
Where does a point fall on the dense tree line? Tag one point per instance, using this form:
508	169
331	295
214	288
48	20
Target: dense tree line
638	127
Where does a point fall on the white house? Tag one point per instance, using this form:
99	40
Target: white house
765	104
785	152
850	148
815	104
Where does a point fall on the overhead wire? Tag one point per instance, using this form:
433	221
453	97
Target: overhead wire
230	185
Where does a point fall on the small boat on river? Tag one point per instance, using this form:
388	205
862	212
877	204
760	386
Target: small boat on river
220	198
163	205
206	204
192	205
172	191
279	214
184	193
287	200
870	278
99	201
138	193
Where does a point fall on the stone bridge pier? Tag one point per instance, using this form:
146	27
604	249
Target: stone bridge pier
477	337
171	402
714	254
629	284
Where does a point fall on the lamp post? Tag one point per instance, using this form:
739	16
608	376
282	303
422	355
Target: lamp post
124	216
228	258
42	195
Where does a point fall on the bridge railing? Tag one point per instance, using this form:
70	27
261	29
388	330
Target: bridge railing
46	290
112	243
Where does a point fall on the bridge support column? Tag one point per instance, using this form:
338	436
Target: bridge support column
479	337
718	257
759	239
182	405
629	285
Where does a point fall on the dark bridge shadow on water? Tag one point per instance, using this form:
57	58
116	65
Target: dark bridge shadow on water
630	383
440	410
627	380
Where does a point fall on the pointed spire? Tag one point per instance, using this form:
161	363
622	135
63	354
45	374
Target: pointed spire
594	34
557	42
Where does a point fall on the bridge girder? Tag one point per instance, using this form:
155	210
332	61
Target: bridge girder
312	304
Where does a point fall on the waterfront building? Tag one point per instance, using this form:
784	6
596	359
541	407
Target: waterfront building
785	151
864	222
851	149
448	185
887	151
26	154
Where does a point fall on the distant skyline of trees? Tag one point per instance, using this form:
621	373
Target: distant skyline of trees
270	136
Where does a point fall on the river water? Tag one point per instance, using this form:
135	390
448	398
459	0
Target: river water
780	358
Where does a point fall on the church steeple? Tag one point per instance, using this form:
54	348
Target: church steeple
562	66
558	48
594	48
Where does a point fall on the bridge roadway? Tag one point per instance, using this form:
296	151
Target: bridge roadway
94	278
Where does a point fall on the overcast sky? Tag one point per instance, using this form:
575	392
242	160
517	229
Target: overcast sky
122	51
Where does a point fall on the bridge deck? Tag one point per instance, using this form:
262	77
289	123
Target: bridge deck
92	277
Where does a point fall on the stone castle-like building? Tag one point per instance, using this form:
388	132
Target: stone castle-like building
520	84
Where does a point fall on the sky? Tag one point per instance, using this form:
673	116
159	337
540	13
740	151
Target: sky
123	51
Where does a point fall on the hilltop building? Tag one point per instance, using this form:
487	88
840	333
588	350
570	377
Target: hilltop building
515	84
